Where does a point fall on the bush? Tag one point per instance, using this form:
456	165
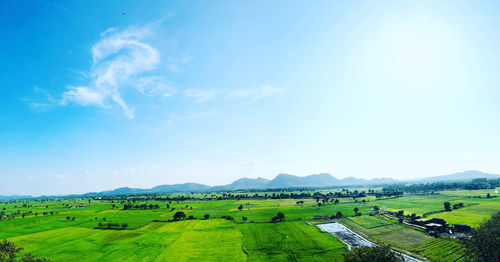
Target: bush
372	254
9	251
484	245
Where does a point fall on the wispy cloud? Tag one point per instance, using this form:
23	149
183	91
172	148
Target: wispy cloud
174	64
255	93
120	59
155	86
127	59
41	101
200	95
251	94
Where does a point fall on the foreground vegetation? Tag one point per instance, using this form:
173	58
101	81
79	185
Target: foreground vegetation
234	227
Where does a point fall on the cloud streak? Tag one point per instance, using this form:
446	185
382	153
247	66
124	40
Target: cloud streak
253	94
120	59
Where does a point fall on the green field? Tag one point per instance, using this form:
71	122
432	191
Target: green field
66	229
192	240
407	238
475	211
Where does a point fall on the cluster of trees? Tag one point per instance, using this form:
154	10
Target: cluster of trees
4	216
478	183
281	193
179	216
373	254
279	217
9	252
484	244
447	206
140	207
109	225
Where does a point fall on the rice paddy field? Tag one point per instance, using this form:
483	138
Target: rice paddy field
403	237
68	229
475	209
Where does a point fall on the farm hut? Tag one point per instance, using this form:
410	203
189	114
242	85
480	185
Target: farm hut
434	227
461	227
437	221
421	221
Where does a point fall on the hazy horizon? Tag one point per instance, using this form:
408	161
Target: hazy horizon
96	97
212	185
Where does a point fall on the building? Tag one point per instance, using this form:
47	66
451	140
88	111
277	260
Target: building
461	227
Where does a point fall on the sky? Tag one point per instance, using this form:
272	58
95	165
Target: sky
96	95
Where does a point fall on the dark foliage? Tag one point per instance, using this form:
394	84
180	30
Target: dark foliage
9	251
372	254
484	245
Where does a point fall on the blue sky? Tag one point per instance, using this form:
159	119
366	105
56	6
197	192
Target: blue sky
103	94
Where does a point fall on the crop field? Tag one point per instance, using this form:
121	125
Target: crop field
66	229
407	238
475	209
371	221
191	240
294	241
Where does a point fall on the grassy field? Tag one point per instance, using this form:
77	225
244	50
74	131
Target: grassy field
294	241
66	229
371	221
192	240
475	211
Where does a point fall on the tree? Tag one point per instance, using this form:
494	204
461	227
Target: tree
179	215
68	217
338	215
488	195
372	254
336	201
9	251
484	244
447	206
356	210
29	257
240	207
244	219
400	213
280	216
206	216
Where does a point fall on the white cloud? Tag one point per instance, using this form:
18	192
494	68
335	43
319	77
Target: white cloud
155	86
83	95
252	94
200	95
120	59
174	63
126	59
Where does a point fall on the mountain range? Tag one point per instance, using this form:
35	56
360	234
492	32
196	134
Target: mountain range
291	181
283	181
